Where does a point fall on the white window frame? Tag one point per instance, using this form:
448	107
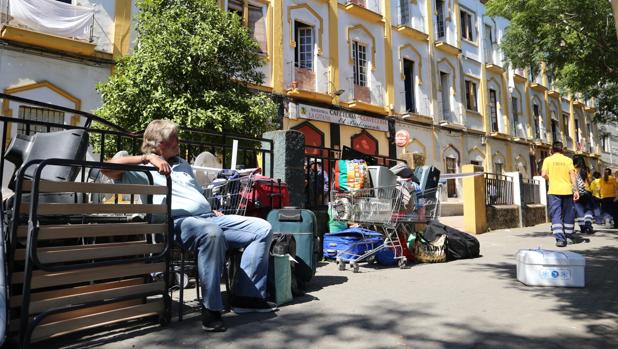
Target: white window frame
471	87
468	24
27	112
304	55
359	58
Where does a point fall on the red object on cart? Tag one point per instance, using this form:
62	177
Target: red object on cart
266	194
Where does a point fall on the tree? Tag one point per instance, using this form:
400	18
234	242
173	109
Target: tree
192	64
576	39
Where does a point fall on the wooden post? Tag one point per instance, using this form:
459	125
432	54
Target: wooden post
475	213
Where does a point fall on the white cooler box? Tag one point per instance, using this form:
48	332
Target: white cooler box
538	267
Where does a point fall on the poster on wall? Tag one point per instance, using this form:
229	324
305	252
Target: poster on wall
336	116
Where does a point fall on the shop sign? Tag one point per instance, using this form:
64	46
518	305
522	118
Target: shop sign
336	116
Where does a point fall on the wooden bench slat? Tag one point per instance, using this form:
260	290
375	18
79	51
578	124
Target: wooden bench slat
92	251
71	209
81	187
69	231
39	306
42	278
15	300
59	328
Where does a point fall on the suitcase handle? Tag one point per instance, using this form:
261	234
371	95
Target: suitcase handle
290	215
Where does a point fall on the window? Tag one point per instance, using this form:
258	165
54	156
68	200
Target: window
605	143
65	1
440	19
257	26
256	20
537	128
38	114
451	185
471	96
303	52
446	98
408	73
404	11
493	110
236	7
498	167
467	25
515	108
577	130
359	55
554	130
565	123
476	163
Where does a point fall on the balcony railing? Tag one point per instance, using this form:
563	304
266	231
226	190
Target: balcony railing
50	17
530	192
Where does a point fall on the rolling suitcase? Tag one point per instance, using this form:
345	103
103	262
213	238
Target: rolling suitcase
303	226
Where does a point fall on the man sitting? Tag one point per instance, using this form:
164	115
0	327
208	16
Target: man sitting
208	232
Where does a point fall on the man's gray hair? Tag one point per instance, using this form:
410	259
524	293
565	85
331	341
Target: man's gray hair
156	132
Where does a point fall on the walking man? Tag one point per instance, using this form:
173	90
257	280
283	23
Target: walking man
559	171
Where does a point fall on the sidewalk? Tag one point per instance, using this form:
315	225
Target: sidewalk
462	304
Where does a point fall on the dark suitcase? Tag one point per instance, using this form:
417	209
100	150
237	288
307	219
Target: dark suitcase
349	244
459	245
303	226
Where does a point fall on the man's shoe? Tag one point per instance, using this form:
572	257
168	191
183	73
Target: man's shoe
576	239
561	243
243	305
212	321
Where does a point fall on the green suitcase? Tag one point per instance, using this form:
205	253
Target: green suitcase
303	226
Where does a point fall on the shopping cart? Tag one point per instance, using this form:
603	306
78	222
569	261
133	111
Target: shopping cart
388	210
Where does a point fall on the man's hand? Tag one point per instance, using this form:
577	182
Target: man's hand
576	196
162	165
217	213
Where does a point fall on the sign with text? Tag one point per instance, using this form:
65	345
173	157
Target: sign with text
336	116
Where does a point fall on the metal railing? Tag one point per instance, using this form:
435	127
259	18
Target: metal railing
320	172
107	138
498	189
530	192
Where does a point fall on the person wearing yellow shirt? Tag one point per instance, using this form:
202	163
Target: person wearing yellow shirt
595	188
559	171
583	206
608	197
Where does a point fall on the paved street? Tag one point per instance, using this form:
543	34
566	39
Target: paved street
463	304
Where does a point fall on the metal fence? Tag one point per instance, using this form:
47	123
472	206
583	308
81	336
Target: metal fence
498	189
106	138
320	172
530	192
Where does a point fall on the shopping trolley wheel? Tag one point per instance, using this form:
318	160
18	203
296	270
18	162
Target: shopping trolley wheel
354	266
402	263
340	264
182	279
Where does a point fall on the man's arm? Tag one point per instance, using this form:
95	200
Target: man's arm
155	160
545	175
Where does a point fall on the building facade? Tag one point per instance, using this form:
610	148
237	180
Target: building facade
353	72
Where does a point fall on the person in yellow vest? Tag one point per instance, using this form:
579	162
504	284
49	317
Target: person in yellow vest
595	188
608	197
559	171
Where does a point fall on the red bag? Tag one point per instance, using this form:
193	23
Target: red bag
266	194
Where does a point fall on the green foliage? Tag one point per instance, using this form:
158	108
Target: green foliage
577	39
192	64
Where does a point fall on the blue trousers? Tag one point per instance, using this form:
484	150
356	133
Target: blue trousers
210	236
562	215
583	210
596	209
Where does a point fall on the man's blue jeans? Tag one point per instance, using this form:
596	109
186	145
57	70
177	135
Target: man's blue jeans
211	236
562	215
